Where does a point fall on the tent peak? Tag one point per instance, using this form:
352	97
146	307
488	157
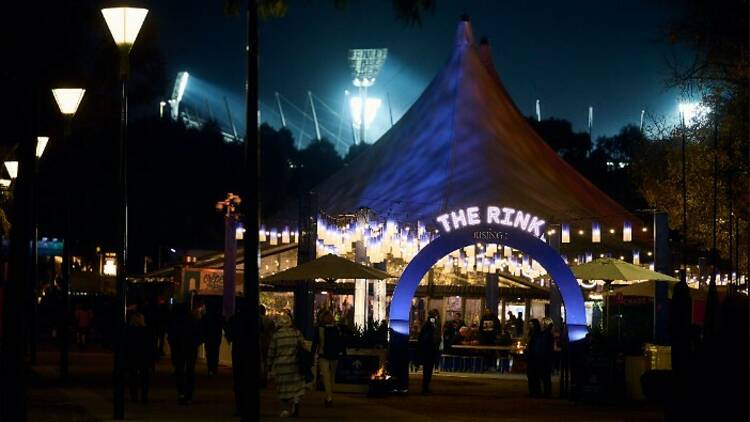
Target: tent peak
464	33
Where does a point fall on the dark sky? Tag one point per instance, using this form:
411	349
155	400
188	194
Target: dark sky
568	54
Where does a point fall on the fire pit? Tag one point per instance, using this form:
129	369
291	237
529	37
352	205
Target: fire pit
379	383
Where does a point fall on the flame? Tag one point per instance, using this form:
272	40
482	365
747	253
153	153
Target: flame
380	374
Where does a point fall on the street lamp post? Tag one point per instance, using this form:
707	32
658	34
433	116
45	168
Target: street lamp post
67	100
124	23
251	373
41	144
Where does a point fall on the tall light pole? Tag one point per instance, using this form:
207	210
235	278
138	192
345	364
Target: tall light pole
250	377
41	144
124	23
68	100
683	273
365	64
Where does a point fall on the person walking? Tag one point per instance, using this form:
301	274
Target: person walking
184	338
83	319
213	323
328	347
534	357
428	345
161	317
235	334
283	359
140	351
546	355
267	328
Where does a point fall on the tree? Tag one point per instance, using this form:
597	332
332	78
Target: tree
318	161
716	33
355	150
574	147
280	161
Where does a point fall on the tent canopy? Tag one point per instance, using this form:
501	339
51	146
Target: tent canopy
614	269
648	289
329	267
464	143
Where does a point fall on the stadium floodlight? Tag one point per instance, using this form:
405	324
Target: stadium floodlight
180	84
371	108
124	23
365	64
12	167
692	112
41	144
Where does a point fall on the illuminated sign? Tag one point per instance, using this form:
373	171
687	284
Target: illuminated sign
504	216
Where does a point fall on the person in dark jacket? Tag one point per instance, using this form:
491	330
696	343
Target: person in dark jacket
428	348
161	317
489	326
235	334
140	350
449	336
184	336
328	346
546	358
532	357
539	356
213	323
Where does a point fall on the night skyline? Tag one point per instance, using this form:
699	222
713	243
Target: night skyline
567	56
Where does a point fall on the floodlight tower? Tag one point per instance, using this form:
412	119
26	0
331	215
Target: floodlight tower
365	65
177	92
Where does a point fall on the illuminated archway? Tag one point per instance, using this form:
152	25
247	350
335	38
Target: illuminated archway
517	238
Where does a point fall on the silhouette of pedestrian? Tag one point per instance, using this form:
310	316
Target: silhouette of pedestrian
140	350
235	334
329	347
547	347
213	323
534	358
184	338
428	346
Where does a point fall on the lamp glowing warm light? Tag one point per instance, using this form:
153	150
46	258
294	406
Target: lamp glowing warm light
627	232
41	144
596	233
5	183
68	99
565	233
12	167
124	23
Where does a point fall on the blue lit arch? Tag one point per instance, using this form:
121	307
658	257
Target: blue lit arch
545	255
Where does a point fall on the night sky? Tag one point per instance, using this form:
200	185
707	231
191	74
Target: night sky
568	54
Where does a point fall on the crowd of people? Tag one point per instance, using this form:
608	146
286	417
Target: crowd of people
539	352
284	356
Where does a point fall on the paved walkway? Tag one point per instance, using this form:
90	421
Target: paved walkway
87	397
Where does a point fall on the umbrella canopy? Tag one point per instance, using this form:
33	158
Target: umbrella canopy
613	269
648	289
329	267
